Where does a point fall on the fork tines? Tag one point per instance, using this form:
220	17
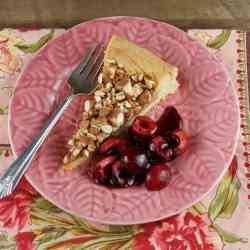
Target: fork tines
83	77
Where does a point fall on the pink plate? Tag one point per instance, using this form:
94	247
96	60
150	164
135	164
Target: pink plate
205	100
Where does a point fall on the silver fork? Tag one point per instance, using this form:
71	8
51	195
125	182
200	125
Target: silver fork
83	80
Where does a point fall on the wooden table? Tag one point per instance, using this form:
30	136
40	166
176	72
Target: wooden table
182	13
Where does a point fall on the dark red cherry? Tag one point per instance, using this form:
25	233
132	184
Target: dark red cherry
121	175
102	169
113	145
143	127
172	140
139	174
170	120
183	140
158	177
140	178
160	146
153	158
117	178
136	156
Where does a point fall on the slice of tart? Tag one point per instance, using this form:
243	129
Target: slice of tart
132	81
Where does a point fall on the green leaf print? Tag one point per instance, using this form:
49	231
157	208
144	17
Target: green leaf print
76	248
7	242
4	110
127	246
219	40
219	200
94	243
53	223
121	229
247	122
111	246
199	208
34	47
50	236
228	237
232	199
45	205
226	198
102	241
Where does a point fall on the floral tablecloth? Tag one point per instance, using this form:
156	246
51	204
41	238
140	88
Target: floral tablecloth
220	221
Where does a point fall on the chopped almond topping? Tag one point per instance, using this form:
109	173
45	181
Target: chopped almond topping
117	99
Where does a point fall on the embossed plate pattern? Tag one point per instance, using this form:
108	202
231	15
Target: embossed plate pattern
205	100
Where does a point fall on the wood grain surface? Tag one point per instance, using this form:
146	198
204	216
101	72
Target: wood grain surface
182	13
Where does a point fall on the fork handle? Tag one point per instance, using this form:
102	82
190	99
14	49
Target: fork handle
17	169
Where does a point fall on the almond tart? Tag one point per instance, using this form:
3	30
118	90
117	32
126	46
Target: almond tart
133	80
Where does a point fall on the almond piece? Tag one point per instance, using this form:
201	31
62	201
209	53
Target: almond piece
117	118
66	159
112	71
107	129
105	75
86	153
120	71
108	86
137	90
93	137
77	134
98	105
101	137
101	120
134	111
111	61
98	99
84	124
120	74
71	142
120	96
94	131
106	110
91	147
134	77
128	89
127	105
72	148
121	107
85	116
107	102
140	77
112	91
82	131
120	83
100	78
149	83
137	109
88	105
77	151
108	99
100	93
84	140
74	163
94	122
145	97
